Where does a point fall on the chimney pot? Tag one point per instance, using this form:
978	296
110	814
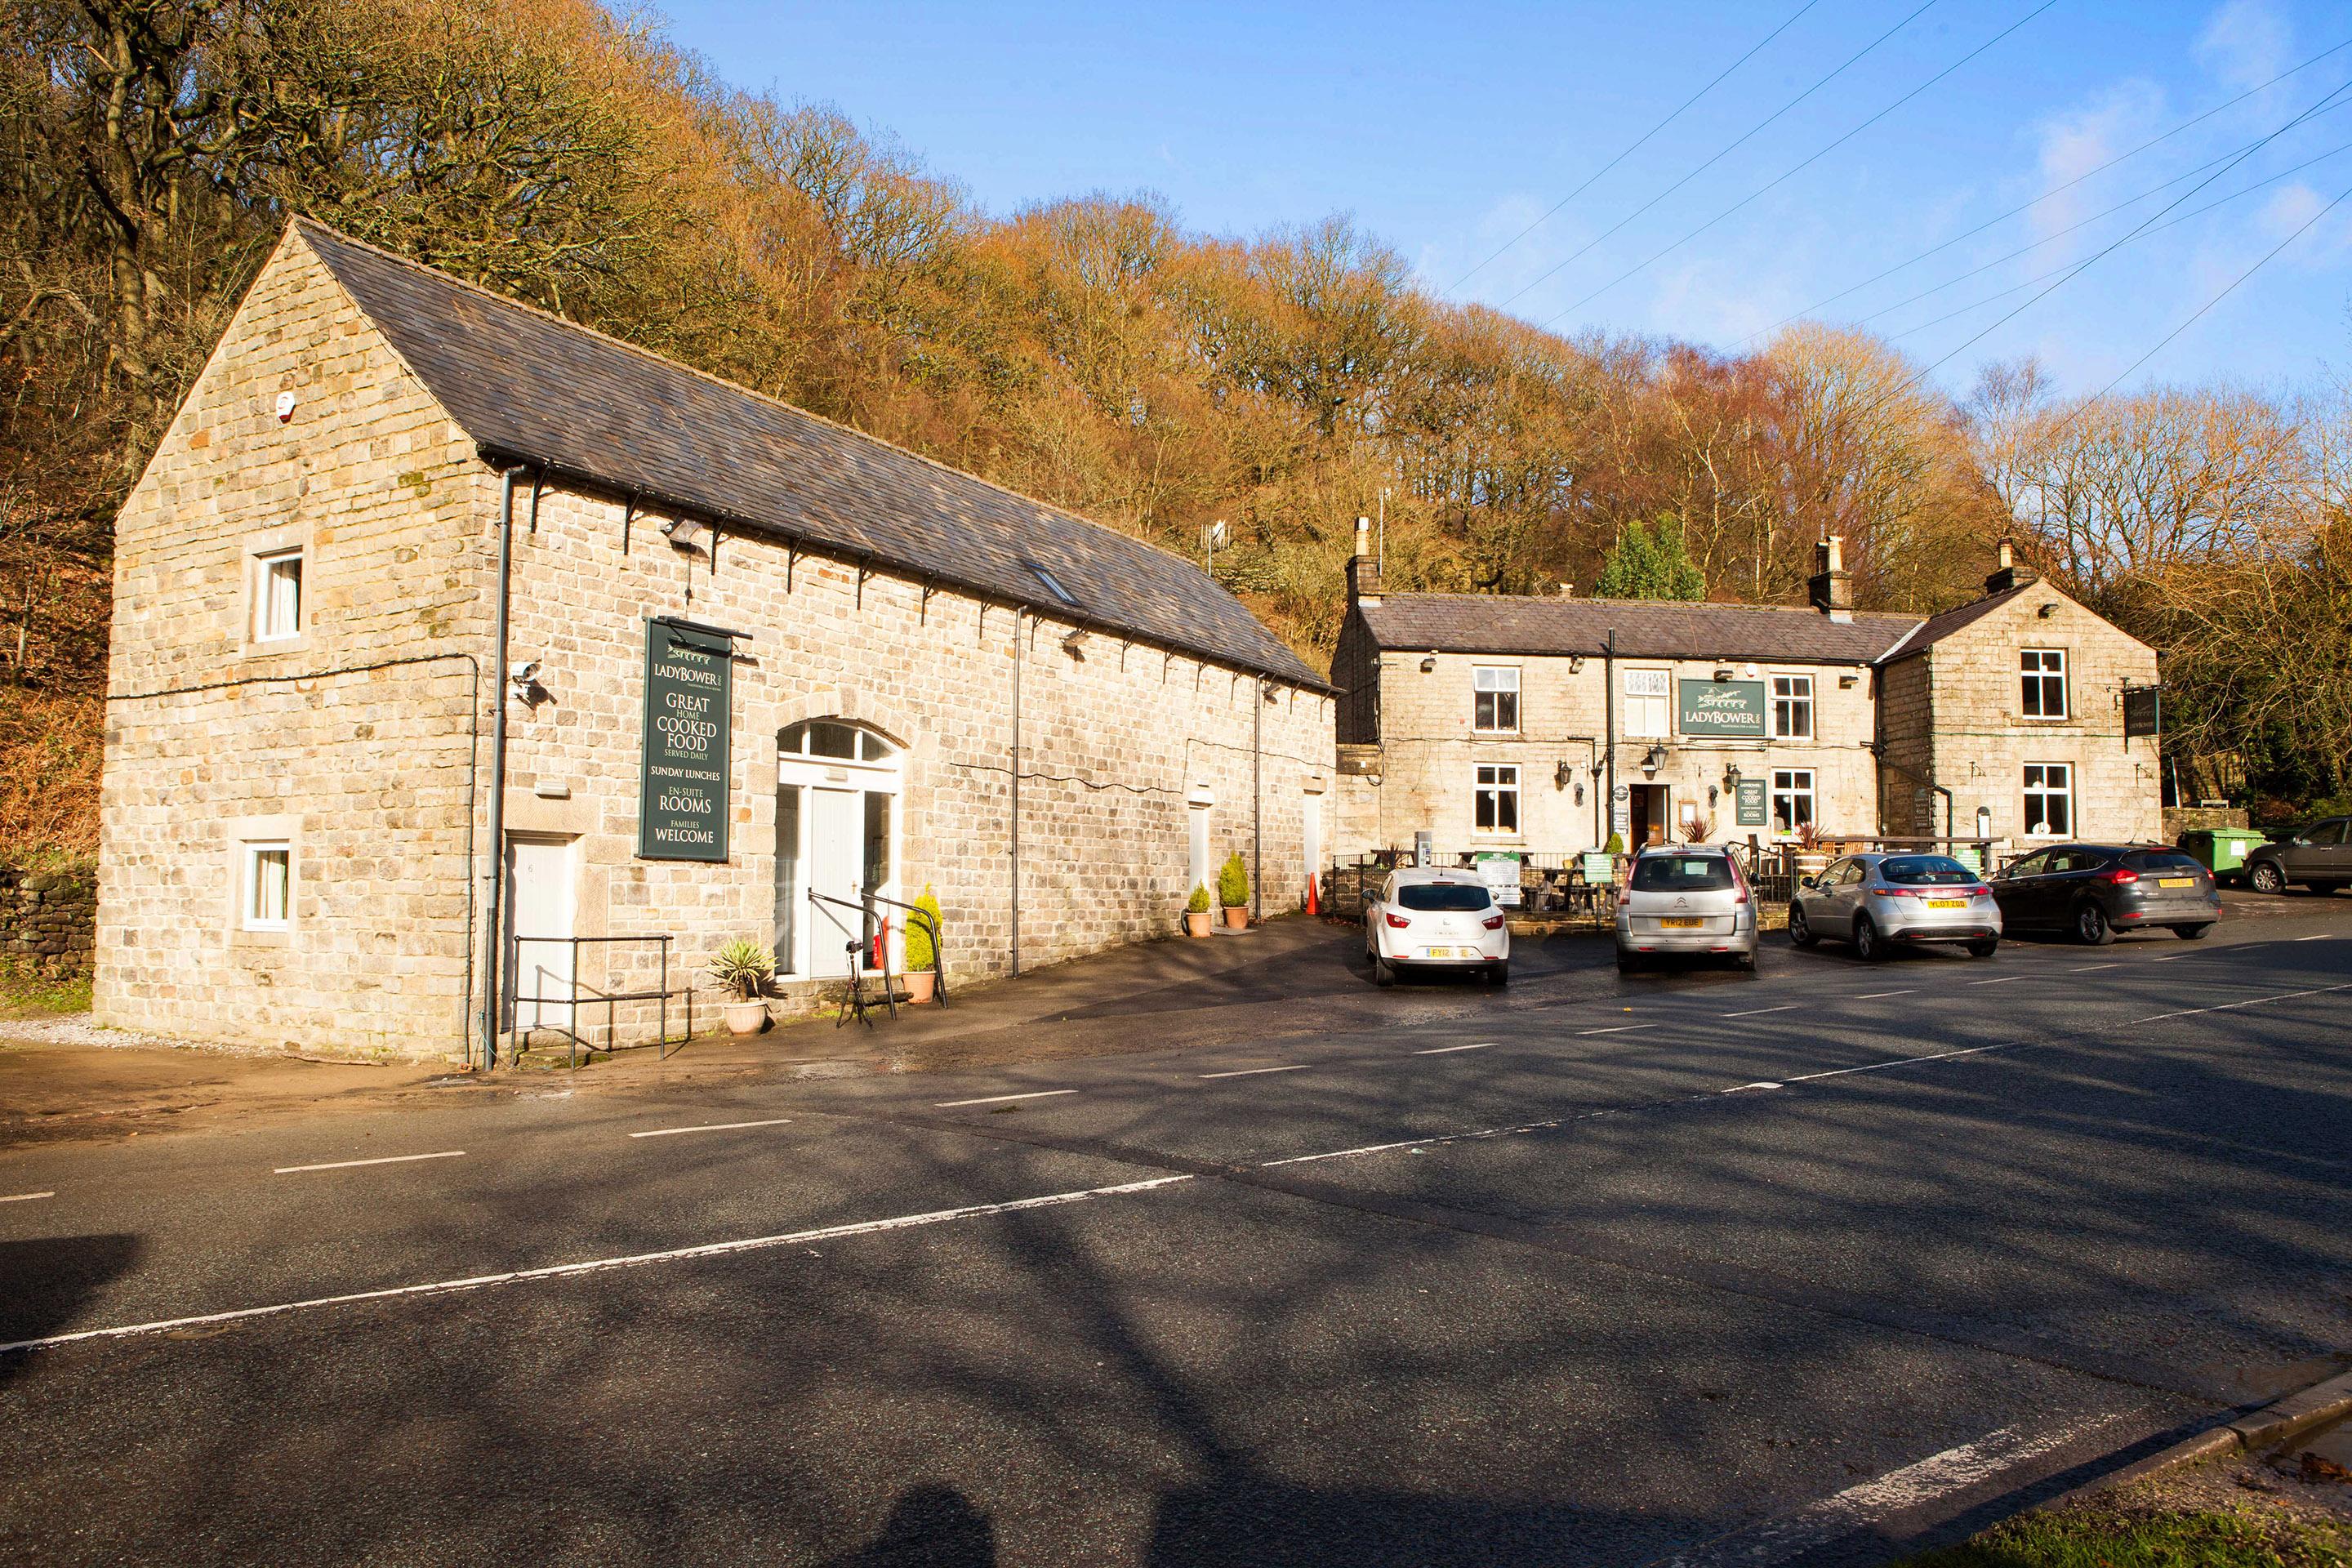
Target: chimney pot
1832	585
1364	567
2006	572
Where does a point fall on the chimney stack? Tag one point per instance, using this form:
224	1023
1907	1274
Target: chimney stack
2007	574
1832	585
1568	590
1364	567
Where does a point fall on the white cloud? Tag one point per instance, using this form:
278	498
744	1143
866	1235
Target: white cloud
2072	143
2245	44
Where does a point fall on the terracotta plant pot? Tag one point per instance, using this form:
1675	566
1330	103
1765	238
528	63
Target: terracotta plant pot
1237	917
921	985
745	1017
1196	925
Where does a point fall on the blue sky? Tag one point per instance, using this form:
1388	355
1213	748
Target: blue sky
1445	130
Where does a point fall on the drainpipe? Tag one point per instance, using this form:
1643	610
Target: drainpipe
1016	790
1609	722
496	945
1257	799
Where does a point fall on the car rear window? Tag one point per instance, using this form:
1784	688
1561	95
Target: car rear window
1924	871
2161	860
1443	896
1680	873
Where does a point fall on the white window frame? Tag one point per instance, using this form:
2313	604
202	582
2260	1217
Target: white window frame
2064	792
1499	780
1648	728
1498	681
1785	786
261	626
1799	693
249	887
2031	673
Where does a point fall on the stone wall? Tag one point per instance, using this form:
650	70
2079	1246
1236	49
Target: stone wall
2180	820
46	918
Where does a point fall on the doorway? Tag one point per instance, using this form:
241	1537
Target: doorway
839	788
1650	816
539	905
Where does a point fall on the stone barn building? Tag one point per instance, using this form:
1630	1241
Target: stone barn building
732	655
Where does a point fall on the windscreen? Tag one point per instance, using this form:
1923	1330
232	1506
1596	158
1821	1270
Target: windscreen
1680	873
2161	860
1924	871
1455	896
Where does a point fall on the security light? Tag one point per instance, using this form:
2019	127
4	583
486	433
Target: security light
684	533
1429	661
1075	645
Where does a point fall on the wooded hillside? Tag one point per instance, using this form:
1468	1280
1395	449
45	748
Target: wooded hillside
1091	352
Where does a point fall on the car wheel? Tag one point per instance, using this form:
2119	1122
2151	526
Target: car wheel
2192	933
2091	927
1984	947
1801	929
1500	975
1383	973
1745	961
2266	878
1868	945
1627	964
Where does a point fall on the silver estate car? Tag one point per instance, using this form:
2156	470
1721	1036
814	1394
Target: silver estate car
1872	900
1689	901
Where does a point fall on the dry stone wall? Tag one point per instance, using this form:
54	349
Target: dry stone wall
46	918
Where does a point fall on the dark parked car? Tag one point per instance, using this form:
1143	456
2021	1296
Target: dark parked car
2094	890
2317	857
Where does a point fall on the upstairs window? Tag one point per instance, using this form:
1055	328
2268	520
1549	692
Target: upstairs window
2042	674
1494	703
1497	800
1792	706
277	592
1646	694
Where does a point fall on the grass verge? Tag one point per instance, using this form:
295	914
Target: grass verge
25	995
2119	1533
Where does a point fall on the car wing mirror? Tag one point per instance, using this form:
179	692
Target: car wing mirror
1809	881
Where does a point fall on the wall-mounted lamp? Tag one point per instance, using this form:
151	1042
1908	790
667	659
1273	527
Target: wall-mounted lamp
1654	758
1731	776
1429	661
1562	774
684	533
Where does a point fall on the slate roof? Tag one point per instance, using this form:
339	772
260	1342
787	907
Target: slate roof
532	388
1646	628
1936	627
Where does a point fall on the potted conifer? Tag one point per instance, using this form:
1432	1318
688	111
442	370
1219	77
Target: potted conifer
742	968
1232	890
922	949
1196	910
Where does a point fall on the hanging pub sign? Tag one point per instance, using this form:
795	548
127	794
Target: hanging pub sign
2142	710
682	790
1729	707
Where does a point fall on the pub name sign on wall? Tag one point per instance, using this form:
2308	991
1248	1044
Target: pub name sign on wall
682	793
1734	708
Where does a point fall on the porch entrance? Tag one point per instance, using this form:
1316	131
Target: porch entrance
838	792
1650	816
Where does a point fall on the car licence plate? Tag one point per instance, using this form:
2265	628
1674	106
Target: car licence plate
1681	922
2176	881
1947	903
1438	953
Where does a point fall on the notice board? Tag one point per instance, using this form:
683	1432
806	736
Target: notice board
682	790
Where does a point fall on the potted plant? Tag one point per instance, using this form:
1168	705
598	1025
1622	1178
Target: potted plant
1811	856
1232	890
1196	910
742	968
922	951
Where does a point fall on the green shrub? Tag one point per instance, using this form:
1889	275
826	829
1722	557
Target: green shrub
743	967
921	951
1233	883
1616	844
1198	904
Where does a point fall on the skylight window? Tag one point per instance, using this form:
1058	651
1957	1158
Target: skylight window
1053	584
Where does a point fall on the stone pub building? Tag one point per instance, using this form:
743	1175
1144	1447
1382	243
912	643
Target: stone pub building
733	655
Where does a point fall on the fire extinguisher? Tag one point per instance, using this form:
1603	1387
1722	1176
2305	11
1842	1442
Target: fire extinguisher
882	947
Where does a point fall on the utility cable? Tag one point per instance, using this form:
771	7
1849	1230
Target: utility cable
1646	264
2053	191
1726	152
1635	146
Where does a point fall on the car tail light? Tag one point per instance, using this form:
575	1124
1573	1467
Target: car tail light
1492	921
2120	876
1738	884
1624	894
1980	891
1396	921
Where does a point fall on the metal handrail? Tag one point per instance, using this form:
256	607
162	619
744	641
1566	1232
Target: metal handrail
854	1003
938	946
610	999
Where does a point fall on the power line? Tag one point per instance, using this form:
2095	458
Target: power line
1723	154
2054	190
1636	146
1646	264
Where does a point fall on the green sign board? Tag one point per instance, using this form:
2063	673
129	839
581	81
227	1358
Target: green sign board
682	788
1748	803
1730	708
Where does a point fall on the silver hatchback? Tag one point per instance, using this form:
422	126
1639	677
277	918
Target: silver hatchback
1689	901
1874	901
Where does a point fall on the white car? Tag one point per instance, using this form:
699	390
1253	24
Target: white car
1435	920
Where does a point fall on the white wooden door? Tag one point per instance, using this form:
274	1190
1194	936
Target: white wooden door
837	862
539	904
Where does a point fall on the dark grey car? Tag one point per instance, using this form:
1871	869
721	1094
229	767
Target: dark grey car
2093	891
2318	855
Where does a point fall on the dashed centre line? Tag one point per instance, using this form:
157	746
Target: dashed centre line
717	1127
2087	968
1612	1029
1253	1072
1441	1050
1754	1012
1998	980
1000	1098
24	1197
1874	996
380	1160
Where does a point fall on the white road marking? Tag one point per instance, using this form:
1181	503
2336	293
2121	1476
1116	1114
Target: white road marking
1441	1050
24	1197
2087	968
1253	1072
1752	1012
1748	1086
597	1264
713	1127
385	1159
1874	996
2249	1002
1859	1507
998	1099
2323	936
1612	1029
1998	980
2172	957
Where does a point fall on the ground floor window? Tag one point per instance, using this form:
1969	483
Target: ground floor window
1792	799
2049	799
1497	798
268	884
